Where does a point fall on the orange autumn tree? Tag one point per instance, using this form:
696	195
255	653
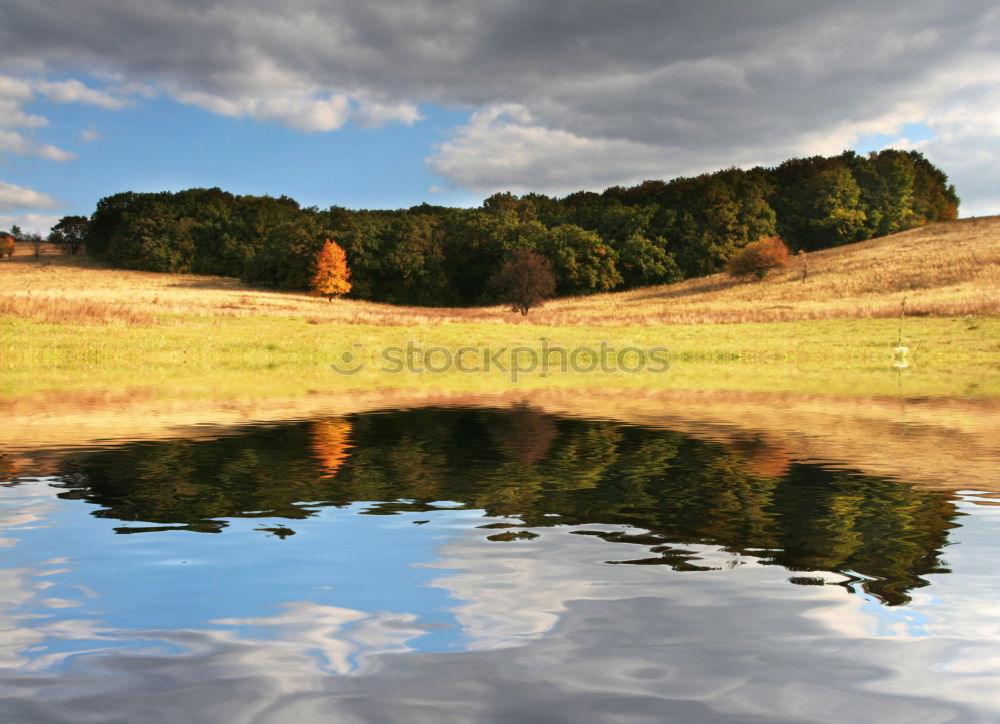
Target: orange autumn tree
331	272
758	258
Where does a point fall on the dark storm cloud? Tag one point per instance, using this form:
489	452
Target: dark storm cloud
680	84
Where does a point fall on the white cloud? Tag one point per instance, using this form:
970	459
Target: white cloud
501	149
376	113
304	112
307	109
30	223
17	92
14	197
89	135
51	153
73	91
13	142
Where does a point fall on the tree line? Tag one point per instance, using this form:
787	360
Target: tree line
652	233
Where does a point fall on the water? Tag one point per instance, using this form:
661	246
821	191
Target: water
480	565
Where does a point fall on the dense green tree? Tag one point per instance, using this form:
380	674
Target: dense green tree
818	204
643	262
70	232
583	262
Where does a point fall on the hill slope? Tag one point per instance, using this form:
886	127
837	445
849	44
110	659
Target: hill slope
946	269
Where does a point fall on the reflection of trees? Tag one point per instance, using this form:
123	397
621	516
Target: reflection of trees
331	440
525	433
9	469
544	470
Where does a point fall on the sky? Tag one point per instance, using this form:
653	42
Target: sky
393	103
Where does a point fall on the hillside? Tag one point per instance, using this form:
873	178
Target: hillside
947	269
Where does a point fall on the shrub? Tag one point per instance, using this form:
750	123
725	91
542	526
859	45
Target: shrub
7	246
758	258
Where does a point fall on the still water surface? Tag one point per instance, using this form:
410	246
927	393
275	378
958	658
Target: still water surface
485	565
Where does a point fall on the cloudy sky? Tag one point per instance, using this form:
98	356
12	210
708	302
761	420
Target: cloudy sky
391	103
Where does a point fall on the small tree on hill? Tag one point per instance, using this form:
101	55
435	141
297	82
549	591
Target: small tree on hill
525	281
7	246
70	233
758	258
332	272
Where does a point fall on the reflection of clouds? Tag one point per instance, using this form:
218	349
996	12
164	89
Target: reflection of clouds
16	633
638	658
517	591
21	589
25	506
556	635
966	603
767	633
337	634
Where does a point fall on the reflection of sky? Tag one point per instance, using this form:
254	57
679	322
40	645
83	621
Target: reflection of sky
436	623
180	579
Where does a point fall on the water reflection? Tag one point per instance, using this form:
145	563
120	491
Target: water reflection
489	565
551	633
674	491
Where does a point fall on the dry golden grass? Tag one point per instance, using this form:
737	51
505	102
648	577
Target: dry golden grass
54	310
943	270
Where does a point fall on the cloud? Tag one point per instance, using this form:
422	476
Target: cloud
16	93
89	135
375	113
51	153
30	223
73	91
605	93
501	149
302	113
14	197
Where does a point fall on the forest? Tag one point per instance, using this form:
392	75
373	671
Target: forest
653	233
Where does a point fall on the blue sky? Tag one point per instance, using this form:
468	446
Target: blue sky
160	144
392	104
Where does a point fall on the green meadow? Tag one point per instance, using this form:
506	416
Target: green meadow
266	356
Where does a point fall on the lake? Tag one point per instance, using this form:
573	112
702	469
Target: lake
457	563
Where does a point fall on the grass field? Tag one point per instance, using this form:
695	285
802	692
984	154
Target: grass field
65	322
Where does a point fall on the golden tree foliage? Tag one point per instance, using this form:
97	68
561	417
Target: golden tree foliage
332	273
7	246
